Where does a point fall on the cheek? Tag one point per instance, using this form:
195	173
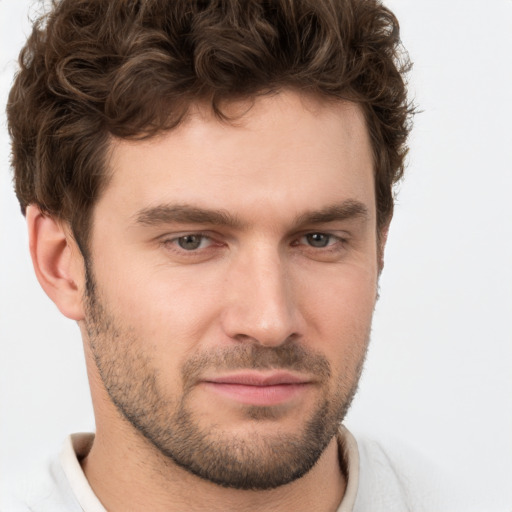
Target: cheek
168	309
338	308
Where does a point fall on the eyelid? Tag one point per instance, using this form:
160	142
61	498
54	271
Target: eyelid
174	237
341	236
332	239
338	240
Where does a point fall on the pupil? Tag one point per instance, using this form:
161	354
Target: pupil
189	242
318	240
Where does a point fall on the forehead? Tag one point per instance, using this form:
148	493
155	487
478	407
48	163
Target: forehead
286	151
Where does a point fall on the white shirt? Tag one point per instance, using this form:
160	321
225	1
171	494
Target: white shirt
375	482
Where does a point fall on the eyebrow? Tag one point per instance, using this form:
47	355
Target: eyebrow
349	209
186	214
182	213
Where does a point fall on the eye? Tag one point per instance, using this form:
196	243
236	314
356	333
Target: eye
192	247
192	242
319	240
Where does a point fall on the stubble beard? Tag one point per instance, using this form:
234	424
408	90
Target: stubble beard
259	461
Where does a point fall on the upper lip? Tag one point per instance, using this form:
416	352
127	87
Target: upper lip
252	378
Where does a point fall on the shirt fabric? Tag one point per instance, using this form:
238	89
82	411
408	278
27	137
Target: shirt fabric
375	482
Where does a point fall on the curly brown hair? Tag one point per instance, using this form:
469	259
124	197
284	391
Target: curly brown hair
96	69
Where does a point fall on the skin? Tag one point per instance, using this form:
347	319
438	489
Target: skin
270	283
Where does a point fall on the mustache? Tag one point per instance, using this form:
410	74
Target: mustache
288	356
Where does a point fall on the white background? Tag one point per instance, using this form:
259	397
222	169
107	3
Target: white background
439	372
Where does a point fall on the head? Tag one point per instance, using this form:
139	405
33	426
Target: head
226	171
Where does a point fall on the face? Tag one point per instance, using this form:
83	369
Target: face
232	281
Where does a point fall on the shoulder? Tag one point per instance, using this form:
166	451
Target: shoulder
44	487
393	476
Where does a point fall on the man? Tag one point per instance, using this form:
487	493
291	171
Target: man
208	189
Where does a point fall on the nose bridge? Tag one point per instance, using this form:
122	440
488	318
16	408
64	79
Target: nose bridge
261	303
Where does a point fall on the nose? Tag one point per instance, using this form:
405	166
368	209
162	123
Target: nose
261	303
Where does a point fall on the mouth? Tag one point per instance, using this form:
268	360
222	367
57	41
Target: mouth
258	388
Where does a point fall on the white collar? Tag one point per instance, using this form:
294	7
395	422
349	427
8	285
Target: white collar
77	446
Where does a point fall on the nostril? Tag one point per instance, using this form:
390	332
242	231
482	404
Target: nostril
244	338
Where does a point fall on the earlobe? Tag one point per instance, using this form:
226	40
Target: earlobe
57	261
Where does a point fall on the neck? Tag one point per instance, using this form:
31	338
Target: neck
127	473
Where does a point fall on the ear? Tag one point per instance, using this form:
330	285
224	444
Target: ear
58	263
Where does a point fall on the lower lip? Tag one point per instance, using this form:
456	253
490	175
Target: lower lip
258	395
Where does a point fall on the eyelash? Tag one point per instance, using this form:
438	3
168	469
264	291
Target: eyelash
331	238
174	242
334	243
